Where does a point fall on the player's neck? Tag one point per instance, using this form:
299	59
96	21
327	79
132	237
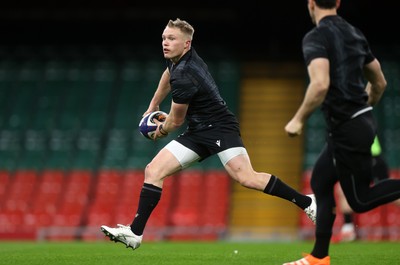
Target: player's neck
321	13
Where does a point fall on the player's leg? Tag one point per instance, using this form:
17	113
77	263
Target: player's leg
380	169
163	165
322	182
354	166
237	163
171	159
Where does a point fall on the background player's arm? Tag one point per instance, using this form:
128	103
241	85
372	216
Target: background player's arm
376	81
318	71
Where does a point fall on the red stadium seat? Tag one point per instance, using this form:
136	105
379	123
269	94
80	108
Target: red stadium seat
392	222
46	202
188	199
20	192
4	180
17	203
125	209
370	225
75	197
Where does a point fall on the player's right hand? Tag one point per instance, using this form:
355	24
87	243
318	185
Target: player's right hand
294	128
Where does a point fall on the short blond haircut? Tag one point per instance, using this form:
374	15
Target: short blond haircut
183	25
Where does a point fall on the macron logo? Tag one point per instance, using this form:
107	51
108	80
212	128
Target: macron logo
218	142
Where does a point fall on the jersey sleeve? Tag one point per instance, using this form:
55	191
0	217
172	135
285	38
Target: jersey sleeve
314	46
369	57
183	89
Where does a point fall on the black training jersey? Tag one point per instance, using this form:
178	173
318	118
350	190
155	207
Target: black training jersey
192	83
348	51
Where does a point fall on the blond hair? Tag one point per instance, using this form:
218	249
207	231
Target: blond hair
183	25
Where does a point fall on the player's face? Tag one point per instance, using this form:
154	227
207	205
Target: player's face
175	44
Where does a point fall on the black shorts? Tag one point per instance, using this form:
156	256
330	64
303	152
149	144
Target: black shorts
211	140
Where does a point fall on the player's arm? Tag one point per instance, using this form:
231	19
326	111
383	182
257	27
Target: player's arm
162	91
376	81
174	120
318	71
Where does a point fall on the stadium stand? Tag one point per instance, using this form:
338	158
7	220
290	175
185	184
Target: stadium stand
69	148
71	157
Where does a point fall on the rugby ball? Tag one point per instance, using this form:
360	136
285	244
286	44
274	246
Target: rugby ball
147	126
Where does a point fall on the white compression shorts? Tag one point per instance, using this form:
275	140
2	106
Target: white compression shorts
186	156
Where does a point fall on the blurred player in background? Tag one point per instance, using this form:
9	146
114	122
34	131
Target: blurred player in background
380	172
338	60
212	129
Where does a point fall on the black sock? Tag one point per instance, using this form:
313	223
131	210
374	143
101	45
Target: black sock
149	197
278	188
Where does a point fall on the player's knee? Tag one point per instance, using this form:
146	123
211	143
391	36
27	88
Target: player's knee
245	182
151	174
248	181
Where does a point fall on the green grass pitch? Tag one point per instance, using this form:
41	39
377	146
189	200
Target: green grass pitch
190	253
